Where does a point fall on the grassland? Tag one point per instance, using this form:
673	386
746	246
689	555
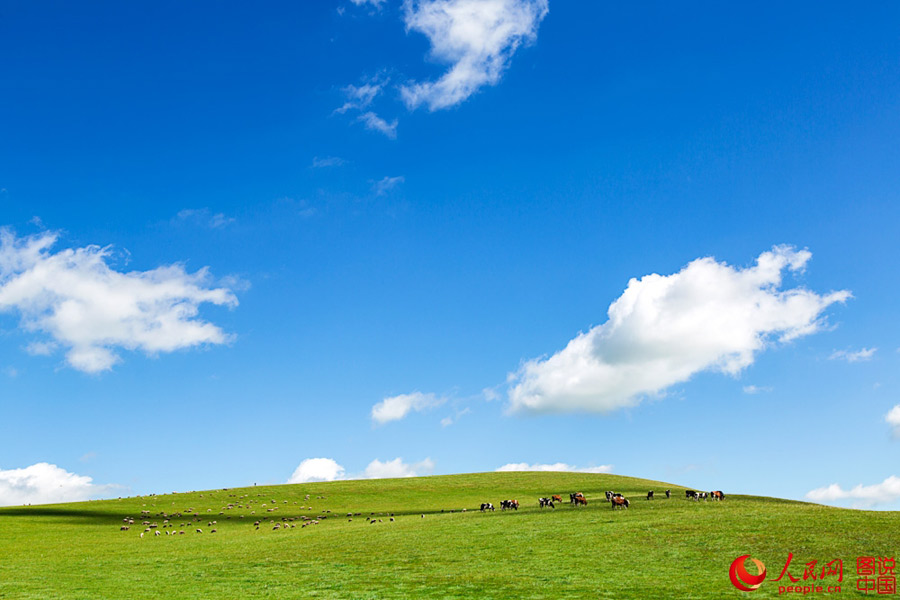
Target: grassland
657	549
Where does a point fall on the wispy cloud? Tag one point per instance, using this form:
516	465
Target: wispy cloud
386	184
862	495
44	483
853	356
555	467
476	37
80	303
451	419
666	328
755	389
359	97
204	217
376	4
376	123
327	161
397	407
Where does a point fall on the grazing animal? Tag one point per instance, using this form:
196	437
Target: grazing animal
556	498
199	531
124	528
580	500
717	495
487	506
509	504
690	494
668	494
573	498
546	502
617	501
650	495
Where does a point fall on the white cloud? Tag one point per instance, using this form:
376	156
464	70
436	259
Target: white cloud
205	218
327	161
664	329
395	408
852	357
893	419
359	97
755	389
451	419
317	469
555	467
74	297
44	483
386	184
375	123
863	495
375	3
476	37
397	468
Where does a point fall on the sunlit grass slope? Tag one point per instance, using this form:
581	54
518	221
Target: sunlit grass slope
662	548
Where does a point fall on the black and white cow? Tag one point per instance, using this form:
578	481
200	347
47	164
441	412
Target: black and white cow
546	502
487	506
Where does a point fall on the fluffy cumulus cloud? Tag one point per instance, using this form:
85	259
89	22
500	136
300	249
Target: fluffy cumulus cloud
395	408
853	356
44	483
73	299
476	37
555	467
893	419
862	495
317	469
327	469
397	468
665	328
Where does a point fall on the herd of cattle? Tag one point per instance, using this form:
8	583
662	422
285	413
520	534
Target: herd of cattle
615	499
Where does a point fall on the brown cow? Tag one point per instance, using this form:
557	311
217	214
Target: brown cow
617	501
556	498
580	500
717	495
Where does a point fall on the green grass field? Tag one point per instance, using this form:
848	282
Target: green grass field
673	548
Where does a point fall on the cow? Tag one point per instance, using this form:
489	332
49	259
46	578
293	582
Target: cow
668	494
617	501
650	495
688	494
717	495
546	502
575	495
556	498
487	506
580	500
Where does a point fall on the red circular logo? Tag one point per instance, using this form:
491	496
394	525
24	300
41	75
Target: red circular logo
741	578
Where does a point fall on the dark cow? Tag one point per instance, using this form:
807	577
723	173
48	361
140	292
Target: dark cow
580	500
650	495
486	506
546	502
668	494
617	501
717	495
690	494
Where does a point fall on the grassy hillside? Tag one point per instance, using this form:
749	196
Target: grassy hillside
656	549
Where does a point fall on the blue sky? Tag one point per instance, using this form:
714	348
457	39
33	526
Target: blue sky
398	236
